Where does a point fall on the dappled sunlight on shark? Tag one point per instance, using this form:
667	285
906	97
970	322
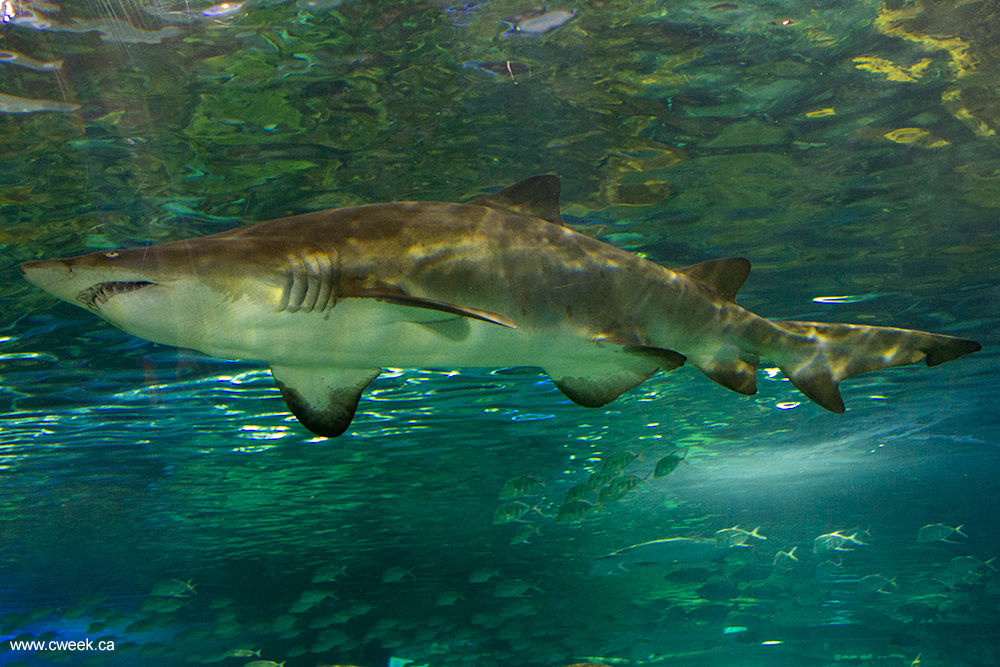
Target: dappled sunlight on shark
329	299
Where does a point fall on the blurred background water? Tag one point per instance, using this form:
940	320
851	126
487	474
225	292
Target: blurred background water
169	503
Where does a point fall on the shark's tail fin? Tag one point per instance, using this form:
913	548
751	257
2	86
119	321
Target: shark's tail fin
816	356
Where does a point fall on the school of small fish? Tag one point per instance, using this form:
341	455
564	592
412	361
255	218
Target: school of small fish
736	562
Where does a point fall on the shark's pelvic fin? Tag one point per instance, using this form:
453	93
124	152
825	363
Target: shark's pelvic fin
537	196
724	276
323	400
818	356
592	390
594	386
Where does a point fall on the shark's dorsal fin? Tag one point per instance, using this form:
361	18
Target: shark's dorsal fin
537	196
724	276
323	400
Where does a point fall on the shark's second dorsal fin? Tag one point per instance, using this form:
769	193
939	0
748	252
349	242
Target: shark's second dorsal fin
323	400
724	276
537	196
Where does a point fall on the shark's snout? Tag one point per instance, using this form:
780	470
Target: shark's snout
57	277
52	275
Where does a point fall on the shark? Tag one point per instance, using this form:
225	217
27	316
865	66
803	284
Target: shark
329	299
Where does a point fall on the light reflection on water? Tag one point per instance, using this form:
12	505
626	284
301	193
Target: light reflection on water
704	131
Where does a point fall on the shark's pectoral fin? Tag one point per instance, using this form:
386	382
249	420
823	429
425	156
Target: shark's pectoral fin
595	385
401	299
455	329
323	400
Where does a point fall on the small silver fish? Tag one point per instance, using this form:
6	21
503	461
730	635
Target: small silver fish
599	479
524	533
618	488
395	574
311	598
172	588
617	462
537	23
482	575
785	560
242	653
736	537
328	573
162	605
965	570
938	532
875	583
667	551
573	511
512	512
829	571
514	588
835	542
668	464
448	598
520	486
578	492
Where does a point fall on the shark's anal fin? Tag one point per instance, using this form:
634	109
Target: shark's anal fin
821	389
537	196
668	360
323	400
736	374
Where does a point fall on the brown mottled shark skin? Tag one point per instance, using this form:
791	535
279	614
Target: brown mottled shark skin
328	299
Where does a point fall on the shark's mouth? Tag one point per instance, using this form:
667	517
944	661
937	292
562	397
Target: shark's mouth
101	292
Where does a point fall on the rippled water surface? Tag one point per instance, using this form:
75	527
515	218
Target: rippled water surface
170	504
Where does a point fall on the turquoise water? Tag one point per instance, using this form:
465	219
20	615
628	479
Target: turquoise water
848	150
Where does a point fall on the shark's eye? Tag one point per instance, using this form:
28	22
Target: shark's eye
111	255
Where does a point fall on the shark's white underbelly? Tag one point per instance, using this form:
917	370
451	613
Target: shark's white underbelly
365	333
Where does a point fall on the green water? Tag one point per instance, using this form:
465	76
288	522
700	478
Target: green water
848	150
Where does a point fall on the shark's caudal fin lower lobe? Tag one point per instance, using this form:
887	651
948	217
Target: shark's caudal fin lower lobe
817	356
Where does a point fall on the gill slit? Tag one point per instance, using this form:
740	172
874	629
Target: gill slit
310	283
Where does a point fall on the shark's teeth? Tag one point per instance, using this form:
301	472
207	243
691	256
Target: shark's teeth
101	292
